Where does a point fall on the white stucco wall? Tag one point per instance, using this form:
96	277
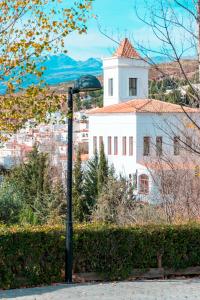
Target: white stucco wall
121	69
166	125
115	125
138	125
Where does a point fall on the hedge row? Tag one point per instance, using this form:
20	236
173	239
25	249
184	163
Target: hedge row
35	255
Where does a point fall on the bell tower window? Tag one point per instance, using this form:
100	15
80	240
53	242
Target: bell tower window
132	86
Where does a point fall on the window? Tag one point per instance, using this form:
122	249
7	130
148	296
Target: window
146	146
94	144
110	87
115	145
130	145
132	86
124	145
143	184
109	145
100	142
159	145
188	142
176	145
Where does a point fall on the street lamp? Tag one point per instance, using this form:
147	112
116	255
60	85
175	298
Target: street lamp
83	84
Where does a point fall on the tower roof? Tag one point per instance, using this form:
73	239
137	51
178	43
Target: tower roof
127	50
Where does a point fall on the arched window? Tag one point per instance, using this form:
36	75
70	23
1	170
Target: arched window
143	184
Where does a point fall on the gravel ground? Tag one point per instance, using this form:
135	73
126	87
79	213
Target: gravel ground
136	290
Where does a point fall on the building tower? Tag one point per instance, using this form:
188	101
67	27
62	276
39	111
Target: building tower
125	75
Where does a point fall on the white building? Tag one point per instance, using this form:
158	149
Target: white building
136	131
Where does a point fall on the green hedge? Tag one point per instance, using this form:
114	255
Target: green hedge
35	255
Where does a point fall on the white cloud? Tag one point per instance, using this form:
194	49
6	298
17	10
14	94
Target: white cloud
92	44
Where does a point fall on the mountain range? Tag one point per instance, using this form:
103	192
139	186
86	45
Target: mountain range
62	68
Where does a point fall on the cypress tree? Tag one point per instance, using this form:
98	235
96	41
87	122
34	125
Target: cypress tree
91	183
78	200
103	169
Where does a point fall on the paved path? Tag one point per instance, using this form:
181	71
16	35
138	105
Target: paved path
136	290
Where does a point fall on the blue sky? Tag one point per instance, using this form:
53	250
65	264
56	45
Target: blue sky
118	19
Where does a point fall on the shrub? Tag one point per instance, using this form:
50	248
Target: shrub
30	194
116	203
10	203
35	255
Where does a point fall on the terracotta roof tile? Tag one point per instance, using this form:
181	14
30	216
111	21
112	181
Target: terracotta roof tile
126	50
144	106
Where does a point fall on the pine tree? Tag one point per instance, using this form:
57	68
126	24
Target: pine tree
78	199
103	169
91	183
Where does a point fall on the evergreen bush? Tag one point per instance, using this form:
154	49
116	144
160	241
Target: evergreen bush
31	256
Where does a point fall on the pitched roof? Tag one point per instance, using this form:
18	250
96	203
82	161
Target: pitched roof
127	50
144	106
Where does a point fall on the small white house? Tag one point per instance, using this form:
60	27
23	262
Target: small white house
136	131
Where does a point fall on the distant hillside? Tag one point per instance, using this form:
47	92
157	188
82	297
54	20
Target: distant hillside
171	68
62	69
190	67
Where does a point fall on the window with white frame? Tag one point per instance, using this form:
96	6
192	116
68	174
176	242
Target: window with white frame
144	184
146	146
124	145
176	145
110	87
115	145
130	145
132	86
109	145
159	143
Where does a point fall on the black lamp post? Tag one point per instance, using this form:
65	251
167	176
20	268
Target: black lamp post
83	84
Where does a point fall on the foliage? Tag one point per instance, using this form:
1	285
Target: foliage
10	203
90	100
96	99
34	104
78	200
95	177
191	97
35	255
91	183
28	194
167	90
116	203
103	169
88	182
29	30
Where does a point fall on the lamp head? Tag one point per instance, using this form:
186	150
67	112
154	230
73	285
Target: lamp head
87	83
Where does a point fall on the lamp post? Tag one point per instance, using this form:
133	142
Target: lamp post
83	84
